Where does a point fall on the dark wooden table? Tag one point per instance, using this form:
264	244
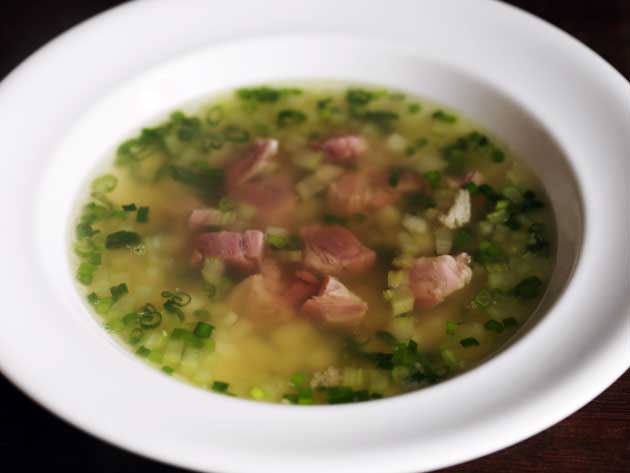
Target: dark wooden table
596	439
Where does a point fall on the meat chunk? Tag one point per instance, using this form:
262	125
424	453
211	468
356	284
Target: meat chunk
459	213
257	160
242	251
360	192
335	305
433	279
273	198
334	250
343	149
273	296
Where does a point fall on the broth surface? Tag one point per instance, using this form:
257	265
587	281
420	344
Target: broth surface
239	328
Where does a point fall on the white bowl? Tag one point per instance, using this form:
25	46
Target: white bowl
559	106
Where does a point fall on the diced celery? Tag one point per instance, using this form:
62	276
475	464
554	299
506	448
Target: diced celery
156	340
173	352
156	356
402	301
403	328
379	380
189	362
449	358
396	143
397	278
257	393
328	173
309	161
513	194
415	224
213	269
443	240
403	261
353	377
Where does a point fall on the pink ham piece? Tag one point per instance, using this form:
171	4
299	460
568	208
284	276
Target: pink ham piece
272	296
334	250
335	305
242	251
359	192
343	149
433	279
272	196
257	160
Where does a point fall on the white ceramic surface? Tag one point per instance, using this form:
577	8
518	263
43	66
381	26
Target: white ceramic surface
552	100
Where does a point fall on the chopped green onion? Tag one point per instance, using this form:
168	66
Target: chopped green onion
143	351
394	177
493	326
122	239
85	273
214	115
143	215
118	291
471	187
92	298
451	327
104	184
129	207
359	97
289	117
483	299
297	380
434	178
386	337
528	288
497	156
257	393
442	116
168	370
235	134
414	108
220	387
203	330
469	342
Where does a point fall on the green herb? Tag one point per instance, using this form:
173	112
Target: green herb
343	395
143	351
175	300
265	94
442	116
359	97
467	147
85	273
129	207
186	128
493	326
386	337
203	330
334	219
92	298
394	178
298	380
469	342
104	184
463	240
149	317
382	119
488	252
434	178
529	288
168	370
118	291
137	149
143	215
414	108
451	327
290	117
220	387
235	134
497	156
122	239
215	115
471	187
205	179
483	299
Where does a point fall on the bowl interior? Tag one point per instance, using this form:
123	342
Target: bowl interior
188	80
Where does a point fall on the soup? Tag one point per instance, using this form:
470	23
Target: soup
319	244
